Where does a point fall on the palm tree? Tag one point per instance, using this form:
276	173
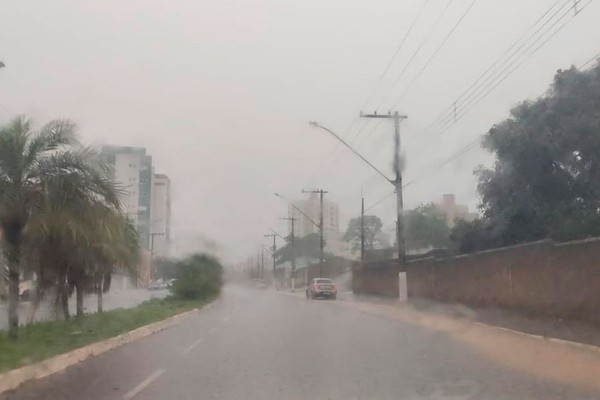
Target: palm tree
116	247
78	228
44	172
22	154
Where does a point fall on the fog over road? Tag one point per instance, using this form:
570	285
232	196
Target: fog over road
254	344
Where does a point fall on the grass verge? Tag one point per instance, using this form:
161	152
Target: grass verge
43	340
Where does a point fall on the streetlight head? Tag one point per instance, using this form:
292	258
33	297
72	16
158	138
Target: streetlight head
2	65
277	194
313	123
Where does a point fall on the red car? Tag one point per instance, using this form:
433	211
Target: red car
321	287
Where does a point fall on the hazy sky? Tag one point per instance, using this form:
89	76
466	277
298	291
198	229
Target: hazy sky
221	92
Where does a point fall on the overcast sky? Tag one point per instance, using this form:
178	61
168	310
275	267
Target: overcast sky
221	92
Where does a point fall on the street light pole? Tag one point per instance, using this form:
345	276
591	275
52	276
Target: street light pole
396	182
321	227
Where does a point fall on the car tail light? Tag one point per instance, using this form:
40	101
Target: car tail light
334	287
317	287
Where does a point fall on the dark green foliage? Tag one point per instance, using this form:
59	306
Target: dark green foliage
372	228
546	179
198	277
426	226
307	246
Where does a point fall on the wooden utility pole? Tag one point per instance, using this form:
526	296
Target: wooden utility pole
273	250
321	227
362	229
398	181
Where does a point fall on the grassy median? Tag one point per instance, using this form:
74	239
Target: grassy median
43	340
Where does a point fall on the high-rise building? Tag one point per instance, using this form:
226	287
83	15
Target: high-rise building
160	224
452	211
311	207
133	170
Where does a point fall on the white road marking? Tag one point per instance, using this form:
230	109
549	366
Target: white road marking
145	383
192	346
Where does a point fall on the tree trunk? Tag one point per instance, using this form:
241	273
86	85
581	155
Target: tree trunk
35	303
100	294
12	237
13	302
79	295
64	298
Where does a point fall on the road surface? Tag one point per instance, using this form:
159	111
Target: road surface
254	344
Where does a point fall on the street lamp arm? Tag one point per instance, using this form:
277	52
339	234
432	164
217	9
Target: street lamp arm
316	124
299	210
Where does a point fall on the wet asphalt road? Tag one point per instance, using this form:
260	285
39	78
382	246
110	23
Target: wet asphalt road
254	344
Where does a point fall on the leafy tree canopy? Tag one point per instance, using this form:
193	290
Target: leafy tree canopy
545	182
426	226
372	228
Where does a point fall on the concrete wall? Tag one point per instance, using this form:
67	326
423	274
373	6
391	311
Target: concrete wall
378	278
331	269
542	277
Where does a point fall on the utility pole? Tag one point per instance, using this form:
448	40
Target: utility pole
262	260
321	192
398	181
273	250
362	229
292	219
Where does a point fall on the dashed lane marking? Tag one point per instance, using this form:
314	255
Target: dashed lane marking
192	346
143	385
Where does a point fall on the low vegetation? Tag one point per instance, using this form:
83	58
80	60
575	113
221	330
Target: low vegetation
198	281
46	339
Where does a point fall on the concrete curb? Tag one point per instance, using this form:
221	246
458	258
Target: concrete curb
568	343
12	379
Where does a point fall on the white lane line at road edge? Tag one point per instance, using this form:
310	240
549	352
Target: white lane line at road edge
143	385
192	346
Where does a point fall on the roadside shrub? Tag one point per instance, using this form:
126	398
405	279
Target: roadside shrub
198	277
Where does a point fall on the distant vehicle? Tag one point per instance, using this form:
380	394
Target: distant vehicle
259	283
25	290
321	287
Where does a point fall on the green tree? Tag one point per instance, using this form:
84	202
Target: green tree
546	178
199	277
307	246
426	226
51	189
372	228
26	157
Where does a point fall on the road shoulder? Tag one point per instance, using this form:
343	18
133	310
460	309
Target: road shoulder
12	379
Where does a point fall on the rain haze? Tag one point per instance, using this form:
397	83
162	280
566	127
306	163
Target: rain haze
221	93
330	199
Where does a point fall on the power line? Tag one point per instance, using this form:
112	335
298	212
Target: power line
518	56
375	88
416	77
481	95
395	54
448	110
407	65
437	50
